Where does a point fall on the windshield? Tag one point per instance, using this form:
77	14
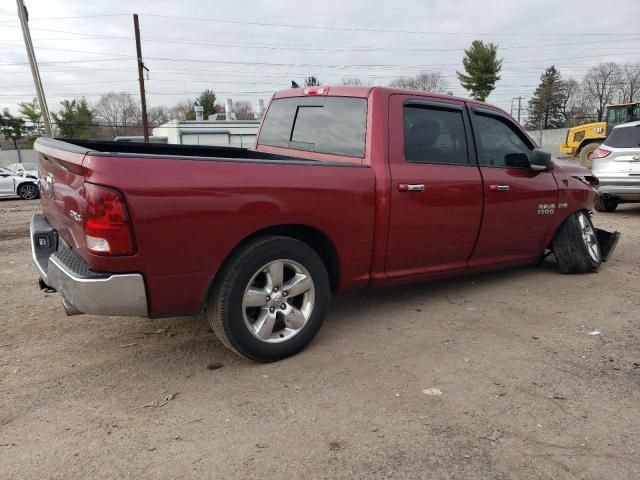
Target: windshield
23	166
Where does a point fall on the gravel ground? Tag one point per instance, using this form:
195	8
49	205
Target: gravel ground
491	376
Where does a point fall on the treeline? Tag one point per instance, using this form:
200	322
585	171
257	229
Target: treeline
113	114
559	102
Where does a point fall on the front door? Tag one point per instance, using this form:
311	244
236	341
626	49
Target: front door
519	203
436	190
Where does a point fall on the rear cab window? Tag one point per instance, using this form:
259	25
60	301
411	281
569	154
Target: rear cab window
331	125
624	137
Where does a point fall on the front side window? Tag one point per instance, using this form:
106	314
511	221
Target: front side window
498	143
334	125
434	135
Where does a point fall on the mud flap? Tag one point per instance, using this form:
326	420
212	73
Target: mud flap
607	241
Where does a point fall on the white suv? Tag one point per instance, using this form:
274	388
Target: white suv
616	164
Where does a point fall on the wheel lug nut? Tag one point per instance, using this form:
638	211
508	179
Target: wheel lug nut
272	309
275	289
285	294
268	298
282	306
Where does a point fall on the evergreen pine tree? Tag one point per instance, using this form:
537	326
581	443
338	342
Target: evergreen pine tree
547	104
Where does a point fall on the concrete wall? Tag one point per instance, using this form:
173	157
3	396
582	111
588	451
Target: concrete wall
550	140
8	157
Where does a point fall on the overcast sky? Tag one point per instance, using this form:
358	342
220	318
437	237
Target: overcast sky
248	49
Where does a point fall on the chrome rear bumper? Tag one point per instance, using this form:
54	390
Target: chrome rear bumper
83	290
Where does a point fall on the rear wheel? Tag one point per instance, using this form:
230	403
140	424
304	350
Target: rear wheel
270	299
28	191
608	204
586	154
575	246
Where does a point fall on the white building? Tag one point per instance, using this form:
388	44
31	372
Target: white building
233	133
222	130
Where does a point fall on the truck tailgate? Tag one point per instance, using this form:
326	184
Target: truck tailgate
61	186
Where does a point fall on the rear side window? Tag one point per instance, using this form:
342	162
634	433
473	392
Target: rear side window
624	137
334	125
434	135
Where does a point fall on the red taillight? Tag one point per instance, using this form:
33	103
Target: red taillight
601	153
107	229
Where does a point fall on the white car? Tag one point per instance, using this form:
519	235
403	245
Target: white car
616	165
24	169
24	185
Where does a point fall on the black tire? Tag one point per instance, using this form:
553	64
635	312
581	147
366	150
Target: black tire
225	311
28	191
585	154
571	249
607	204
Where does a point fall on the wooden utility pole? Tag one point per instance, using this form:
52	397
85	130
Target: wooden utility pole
24	24
141	68
519	107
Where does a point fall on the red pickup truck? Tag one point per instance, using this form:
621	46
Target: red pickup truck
347	188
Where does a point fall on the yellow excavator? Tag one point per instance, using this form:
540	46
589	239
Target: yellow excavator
583	140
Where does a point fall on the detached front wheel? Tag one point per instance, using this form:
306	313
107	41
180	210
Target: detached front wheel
270	299
575	246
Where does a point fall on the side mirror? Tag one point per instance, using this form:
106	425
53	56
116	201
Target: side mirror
540	161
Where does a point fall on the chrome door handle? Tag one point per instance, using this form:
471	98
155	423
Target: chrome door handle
499	188
411	187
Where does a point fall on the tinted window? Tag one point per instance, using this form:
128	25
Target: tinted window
434	135
334	125
624	137
276	128
498	143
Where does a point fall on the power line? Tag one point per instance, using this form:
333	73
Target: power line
368	29
312	47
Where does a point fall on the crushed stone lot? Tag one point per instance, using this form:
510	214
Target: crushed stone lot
494	376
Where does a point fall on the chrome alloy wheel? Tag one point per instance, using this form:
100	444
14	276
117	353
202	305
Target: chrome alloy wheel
278	301
589	237
29	191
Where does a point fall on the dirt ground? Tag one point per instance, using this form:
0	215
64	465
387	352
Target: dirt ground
526	391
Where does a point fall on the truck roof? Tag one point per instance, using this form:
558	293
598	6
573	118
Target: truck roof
365	91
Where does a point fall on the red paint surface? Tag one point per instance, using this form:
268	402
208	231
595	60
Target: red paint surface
188	215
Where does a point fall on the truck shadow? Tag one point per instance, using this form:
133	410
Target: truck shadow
349	312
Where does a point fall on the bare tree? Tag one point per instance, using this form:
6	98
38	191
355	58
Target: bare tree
575	108
158	115
120	112
427	81
353	81
312	81
630	83
181	110
600	86
243	110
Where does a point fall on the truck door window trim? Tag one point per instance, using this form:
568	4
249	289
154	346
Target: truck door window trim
451	107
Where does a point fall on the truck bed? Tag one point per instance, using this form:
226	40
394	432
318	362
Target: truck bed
109	148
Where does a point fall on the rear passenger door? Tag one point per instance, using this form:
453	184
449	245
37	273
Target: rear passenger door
436	190
519	203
